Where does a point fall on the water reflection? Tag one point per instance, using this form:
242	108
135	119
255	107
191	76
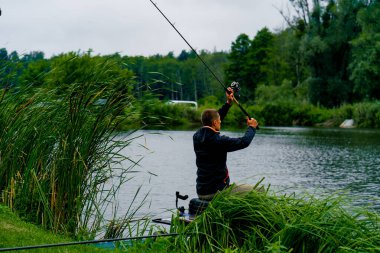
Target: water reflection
291	160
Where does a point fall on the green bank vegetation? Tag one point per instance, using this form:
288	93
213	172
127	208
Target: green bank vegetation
15	232
269	222
59	153
277	106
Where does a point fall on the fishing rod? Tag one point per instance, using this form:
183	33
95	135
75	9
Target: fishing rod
204	63
85	242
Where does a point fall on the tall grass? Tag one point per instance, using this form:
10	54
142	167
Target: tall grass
266	222
59	150
261	221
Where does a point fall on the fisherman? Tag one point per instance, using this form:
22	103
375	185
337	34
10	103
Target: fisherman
211	151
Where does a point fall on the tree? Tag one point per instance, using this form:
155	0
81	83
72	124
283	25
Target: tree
365	64
34	73
260	53
326	47
73	68
238	58
249	61
10	68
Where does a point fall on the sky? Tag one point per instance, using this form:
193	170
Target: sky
132	27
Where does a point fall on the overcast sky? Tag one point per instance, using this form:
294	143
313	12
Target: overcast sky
132	27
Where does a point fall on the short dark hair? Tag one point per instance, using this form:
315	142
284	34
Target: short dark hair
208	116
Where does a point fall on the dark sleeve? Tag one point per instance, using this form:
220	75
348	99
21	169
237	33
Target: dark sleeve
233	144
223	111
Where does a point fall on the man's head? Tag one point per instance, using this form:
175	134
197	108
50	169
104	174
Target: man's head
211	118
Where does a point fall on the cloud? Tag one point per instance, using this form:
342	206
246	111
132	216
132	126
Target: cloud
132	27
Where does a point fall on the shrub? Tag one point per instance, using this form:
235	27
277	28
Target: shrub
157	114
366	114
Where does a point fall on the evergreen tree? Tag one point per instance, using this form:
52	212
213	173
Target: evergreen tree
238	57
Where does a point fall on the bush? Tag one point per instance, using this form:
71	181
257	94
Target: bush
278	114
153	113
367	114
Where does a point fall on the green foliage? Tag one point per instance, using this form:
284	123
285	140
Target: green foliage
250	62
17	233
365	64
268	222
285	106
181	78
367	115
35	73
278	104
209	102
10	67
72	68
57	152
236	70
284	61
261	50
152	113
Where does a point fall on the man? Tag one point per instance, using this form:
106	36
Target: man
211	149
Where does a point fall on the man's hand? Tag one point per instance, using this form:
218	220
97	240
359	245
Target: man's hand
230	95
252	122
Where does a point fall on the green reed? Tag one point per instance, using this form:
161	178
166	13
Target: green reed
261	221
268	222
59	153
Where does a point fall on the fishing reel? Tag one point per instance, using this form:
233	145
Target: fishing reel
236	88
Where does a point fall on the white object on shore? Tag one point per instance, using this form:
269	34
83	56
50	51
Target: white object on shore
192	103
348	123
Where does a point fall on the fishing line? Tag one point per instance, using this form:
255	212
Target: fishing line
201	59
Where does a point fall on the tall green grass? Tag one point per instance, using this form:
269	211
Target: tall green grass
261	221
59	153
268	222
15	232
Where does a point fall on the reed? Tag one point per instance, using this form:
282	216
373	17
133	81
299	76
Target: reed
261	221
59	153
268	222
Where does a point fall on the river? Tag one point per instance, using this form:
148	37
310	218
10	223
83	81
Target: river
313	160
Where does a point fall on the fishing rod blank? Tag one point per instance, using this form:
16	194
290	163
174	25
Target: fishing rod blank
85	242
201	59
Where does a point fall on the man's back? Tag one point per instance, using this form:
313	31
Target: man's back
211	156
212	173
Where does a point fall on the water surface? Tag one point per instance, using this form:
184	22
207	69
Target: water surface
291	160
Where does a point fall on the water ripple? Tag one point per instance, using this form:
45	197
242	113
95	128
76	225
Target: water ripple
291	159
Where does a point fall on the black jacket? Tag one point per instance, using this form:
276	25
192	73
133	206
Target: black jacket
211	155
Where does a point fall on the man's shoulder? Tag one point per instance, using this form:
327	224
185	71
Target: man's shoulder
204	134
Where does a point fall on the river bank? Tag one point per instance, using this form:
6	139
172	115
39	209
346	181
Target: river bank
14	232
274	222
156	114
259	221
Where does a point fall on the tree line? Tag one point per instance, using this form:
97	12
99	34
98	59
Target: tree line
330	49
328	56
